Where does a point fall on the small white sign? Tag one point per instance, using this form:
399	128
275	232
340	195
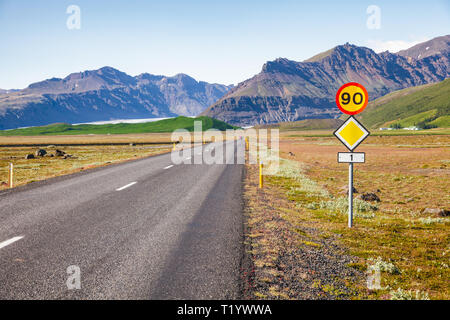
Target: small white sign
351	157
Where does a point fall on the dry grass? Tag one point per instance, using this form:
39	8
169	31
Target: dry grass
87	139
83	157
294	134
291	258
409	174
88	151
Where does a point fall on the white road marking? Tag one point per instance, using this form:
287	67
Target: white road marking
8	242
124	187
168	167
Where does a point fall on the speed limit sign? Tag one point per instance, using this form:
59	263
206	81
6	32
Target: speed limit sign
352	98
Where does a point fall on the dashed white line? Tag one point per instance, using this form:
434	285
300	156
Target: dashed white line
10	241
124	187
168	167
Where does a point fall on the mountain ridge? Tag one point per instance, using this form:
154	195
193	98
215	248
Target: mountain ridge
287	90
106	94
438	45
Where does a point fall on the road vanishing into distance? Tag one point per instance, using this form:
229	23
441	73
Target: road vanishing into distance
145	229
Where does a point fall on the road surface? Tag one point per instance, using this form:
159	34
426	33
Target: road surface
146	229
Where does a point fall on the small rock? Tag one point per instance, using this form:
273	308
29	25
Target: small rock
444	213
303	275
29	156
66	156
59	153
40	153
436	211
369	196
344	190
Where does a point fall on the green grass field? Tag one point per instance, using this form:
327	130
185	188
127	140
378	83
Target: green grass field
167	125
423	106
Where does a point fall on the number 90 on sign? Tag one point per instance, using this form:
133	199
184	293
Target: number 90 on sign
352	98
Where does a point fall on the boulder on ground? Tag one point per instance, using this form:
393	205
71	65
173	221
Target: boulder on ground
369	196
29	156
40	153
59	153
444	213
344	190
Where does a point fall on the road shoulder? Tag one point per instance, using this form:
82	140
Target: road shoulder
290	258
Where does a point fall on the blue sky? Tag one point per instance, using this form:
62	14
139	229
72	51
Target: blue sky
215	41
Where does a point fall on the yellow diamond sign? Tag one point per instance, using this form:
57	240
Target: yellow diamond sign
351	133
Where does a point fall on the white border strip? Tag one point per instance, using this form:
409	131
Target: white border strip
10	241
127	186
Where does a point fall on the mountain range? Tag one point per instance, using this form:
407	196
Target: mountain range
287	90
105	94
284	90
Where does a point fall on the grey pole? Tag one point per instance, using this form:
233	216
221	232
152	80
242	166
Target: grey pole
350	194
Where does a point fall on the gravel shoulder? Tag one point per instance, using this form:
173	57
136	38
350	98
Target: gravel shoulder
290	258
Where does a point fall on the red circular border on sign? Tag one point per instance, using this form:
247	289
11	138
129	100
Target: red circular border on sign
348	85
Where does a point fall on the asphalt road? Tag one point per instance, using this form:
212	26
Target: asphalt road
145	229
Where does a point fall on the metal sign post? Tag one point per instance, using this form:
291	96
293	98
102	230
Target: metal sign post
350	194
351	99
351	158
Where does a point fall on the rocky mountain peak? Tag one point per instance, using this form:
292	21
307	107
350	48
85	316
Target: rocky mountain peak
287	90
185	80
279	65
436	46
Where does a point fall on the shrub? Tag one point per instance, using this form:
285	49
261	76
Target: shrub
401	294
430	220
382	266
361	208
